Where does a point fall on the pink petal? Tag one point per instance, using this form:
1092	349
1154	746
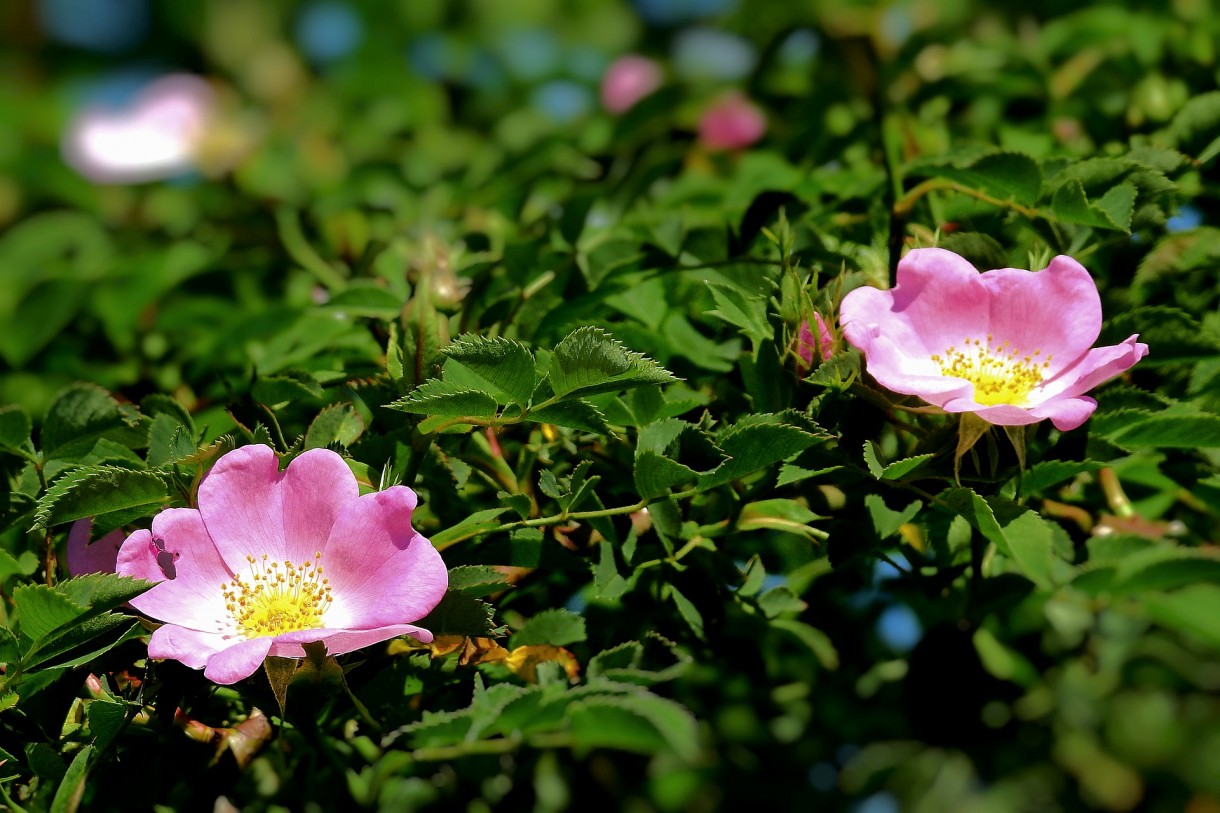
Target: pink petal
1056	311
381	571
251	508
189	646
341	641
99	556
193	597
1066	413
893	369
1097	366
237	661
999	414
939	301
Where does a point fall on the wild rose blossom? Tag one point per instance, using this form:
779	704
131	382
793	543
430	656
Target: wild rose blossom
628	79
1012	346
732	122
275	559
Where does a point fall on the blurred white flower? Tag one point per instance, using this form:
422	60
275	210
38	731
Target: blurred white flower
157	136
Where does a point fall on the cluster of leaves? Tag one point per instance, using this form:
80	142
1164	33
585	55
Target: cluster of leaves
686	569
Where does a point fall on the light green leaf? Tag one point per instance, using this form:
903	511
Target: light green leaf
439	398
15	428
336	424
754	443
556	626
1193	610
41	610
1111	210
97	490
477	580
589	361
818	642
169	441
887	521
749	313
72	788
641	722
505	365
477	523
1016	532
102	591
1170	432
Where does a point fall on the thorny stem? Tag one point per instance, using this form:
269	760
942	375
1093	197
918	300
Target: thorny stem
564	516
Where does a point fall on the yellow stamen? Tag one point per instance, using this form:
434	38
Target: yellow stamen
1000	373
278	597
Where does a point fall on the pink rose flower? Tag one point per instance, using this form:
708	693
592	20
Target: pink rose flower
1012	346
84	556
629	79
275	559
823	345
731	123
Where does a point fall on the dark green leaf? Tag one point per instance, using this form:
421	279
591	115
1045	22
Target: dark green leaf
556	626
589	361
91	492
505	365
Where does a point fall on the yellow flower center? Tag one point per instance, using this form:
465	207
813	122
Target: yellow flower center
1000	373
278	597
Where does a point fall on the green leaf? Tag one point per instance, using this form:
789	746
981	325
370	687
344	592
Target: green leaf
1048	473
460	614
749	313
1111	210
106	720
41	610
1010	176
556	626
688	611
93	491
337	424
641	722
169	441
72	788
756	442
1172	335
366	300
440	398
477	580
15	429
575	414
102	591
886	521
1193	610
779	514
1018	533
477	523
290	385
893	471
589	361
505	365
818	642
77	418
1170	432
1194	129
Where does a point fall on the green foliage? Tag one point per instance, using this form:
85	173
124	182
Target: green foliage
684	564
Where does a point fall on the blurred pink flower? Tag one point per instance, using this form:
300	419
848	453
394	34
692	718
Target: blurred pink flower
732	122
1012	346
84	556
629	79
807	345
156	137
275	559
